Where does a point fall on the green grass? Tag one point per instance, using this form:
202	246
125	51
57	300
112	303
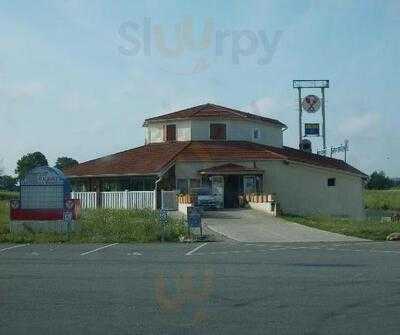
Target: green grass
102	226
6	195
368	229
382	199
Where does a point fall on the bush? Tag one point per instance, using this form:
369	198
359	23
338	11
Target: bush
110	225
6	195
103	226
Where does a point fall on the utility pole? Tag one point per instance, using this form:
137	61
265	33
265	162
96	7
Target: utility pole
300	118
323	117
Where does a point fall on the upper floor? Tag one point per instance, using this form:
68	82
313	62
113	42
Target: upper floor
214	123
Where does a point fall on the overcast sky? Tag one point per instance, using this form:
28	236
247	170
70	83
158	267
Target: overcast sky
78	78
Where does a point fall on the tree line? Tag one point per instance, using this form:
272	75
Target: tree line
379	181
27	163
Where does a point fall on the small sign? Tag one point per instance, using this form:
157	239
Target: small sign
68	216
163	216
193	217
311	129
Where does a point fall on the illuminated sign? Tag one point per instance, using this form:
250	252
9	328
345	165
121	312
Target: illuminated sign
311	129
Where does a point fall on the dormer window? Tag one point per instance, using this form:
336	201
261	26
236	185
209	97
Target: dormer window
170	132
217	131
256	133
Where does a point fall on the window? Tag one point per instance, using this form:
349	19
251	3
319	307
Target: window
256	133
194	183
331	182
171	132
182	186
249	184
218	131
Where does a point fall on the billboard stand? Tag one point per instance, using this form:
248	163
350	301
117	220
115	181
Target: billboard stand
311	104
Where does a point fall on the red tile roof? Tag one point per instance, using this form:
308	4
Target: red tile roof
153	158
229	168
145	160
211	110
241	150
225	150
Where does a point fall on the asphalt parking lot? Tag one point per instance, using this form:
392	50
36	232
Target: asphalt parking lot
214	288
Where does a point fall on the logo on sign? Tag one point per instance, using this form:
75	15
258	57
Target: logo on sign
311	103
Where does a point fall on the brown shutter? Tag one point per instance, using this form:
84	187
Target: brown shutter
217	131
171	132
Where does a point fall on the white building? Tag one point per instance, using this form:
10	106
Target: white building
234	153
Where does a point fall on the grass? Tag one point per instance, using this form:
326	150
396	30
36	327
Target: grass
368	229
6	195
382	199
101	226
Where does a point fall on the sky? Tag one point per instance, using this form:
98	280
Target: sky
77	78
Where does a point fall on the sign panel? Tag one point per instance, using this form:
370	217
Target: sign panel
43	193
193	217
311	129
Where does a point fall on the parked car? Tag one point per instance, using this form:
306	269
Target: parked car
204	198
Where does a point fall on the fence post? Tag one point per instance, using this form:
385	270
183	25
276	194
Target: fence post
126	199
155	199
72	195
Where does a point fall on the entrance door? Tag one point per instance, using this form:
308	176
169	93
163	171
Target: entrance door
217	188
231	195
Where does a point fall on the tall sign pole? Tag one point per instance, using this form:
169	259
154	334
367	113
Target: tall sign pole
300	118
311	104
323	117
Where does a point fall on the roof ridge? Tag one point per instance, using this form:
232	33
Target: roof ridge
176	154
200	109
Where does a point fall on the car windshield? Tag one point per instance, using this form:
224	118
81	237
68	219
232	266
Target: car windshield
204	191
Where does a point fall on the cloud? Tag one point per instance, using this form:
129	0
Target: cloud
22	91
261	106
365	125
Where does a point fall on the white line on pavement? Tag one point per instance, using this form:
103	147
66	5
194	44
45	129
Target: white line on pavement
14	247
103	247
195	249
135	253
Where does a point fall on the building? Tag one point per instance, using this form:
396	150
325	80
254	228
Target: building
234	153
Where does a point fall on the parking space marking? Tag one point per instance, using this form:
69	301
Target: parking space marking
135	253
14	247
191	252
97	249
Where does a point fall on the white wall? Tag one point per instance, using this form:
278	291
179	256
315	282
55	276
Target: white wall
300	189
155	131
199	130
303	190
239	130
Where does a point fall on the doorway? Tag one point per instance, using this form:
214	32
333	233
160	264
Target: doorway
232	190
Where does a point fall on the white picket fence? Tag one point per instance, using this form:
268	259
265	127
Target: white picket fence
117	200
88	199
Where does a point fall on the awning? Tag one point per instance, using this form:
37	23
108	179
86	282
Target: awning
229	169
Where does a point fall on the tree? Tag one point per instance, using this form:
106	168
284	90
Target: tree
28	162
379	181
1	167
8	183
63	163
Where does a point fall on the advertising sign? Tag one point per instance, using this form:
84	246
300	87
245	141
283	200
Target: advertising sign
193	217
311	129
